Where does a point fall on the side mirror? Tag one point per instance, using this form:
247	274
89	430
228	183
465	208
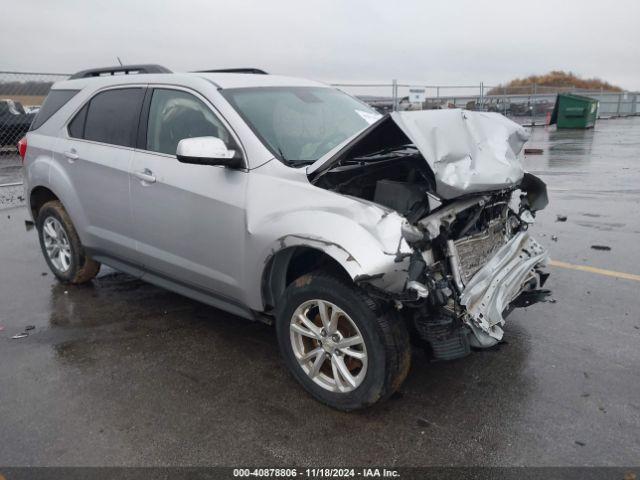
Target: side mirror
207	151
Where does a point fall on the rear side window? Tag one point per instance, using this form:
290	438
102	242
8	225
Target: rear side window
54	102
110	117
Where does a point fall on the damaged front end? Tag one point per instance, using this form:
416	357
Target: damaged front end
457	179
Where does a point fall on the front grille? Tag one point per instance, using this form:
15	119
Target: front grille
475	251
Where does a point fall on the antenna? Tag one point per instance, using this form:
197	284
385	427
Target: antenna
119	61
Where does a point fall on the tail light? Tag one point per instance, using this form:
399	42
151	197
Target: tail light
22	148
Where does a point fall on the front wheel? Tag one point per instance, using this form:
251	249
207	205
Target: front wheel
340	345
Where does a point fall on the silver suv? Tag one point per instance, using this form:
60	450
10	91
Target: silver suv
290	202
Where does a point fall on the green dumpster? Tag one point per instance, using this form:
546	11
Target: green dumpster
574	111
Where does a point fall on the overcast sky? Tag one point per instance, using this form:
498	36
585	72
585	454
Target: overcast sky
433	42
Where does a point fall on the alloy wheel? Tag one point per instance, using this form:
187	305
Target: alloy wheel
328	346
56	244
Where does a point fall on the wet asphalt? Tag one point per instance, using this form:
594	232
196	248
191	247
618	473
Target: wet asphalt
123	373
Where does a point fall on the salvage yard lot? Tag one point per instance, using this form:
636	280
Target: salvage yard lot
124	373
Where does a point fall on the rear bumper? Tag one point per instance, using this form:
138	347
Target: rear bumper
513	270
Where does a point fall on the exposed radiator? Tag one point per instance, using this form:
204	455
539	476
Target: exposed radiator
475	251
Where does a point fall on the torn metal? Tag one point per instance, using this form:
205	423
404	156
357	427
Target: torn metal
466	151
464	250
513	269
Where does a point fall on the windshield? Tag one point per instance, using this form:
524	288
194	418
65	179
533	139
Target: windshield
301	124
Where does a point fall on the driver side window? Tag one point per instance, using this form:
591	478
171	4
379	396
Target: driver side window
174	115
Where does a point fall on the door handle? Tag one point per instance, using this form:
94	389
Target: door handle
146	176
71	155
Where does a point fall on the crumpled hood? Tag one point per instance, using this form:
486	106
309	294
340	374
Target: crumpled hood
468	152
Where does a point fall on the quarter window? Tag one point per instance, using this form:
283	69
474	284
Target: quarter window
174	115
54	102
110	117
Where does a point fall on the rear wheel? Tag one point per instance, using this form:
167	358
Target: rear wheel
342	348
61	245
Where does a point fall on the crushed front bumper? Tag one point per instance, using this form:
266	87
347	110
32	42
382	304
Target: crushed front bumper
486	296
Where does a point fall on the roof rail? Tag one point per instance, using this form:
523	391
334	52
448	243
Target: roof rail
256	71
121	69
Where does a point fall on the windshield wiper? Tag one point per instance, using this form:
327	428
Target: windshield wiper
293	163
380	155
299	163
284	159
387	150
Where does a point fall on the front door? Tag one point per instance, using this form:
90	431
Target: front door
188	220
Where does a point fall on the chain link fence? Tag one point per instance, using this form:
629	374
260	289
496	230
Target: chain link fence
21	95
527	104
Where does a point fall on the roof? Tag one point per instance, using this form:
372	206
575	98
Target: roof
221	80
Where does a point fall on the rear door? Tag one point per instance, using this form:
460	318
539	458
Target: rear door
97	156
188	220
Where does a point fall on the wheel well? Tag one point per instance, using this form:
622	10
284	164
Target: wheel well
39	196
291	263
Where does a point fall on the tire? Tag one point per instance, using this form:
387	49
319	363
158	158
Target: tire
385	342
76	266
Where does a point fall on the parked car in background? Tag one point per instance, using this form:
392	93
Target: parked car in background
287	201
32	109
14	122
